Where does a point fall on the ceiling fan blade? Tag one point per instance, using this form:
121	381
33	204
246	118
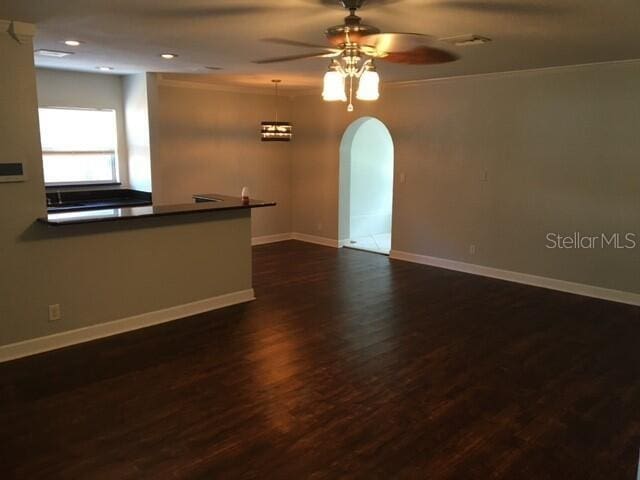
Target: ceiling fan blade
420	56
396	42
293	43
297	57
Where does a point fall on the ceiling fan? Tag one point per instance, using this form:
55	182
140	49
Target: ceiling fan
354	46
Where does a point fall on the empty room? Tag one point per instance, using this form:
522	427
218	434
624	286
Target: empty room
323	239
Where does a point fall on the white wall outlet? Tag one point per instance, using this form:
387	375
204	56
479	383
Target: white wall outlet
485	175
472	249
54	312
319	226
403	177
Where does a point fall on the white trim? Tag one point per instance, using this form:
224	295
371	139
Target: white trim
327	242
93	332
302	237
263	240
217	87
488	75
524	278
24	31
505	73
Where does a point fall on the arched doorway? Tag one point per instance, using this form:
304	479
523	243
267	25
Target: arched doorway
366	186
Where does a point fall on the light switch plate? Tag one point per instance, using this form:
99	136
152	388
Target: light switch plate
12	172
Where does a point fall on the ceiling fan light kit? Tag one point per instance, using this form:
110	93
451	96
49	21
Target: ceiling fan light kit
369	85
352	69
334	83
353	48
274	130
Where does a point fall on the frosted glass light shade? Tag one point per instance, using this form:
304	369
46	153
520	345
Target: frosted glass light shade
369	86
334	87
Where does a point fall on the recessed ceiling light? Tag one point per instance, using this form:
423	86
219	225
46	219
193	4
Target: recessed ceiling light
105	69
52	53
73	43
168	56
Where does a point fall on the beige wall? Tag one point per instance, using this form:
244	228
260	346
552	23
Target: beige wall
102	272
560	149
184	138
59	88
209	141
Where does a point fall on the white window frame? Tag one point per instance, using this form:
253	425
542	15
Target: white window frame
115	177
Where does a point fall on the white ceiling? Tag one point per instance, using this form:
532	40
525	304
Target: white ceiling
130	34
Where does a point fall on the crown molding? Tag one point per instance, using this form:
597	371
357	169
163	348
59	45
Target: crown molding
218	87
509	73
505	73
25	31
307	92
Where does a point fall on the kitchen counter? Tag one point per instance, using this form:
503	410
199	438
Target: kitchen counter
209	202
64	200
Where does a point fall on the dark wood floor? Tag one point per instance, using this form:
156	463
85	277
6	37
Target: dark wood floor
348	365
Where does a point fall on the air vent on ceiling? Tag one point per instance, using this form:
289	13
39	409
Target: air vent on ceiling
52	53
466	40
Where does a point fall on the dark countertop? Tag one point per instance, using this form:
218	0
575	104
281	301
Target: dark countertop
208	202
60	200
97	205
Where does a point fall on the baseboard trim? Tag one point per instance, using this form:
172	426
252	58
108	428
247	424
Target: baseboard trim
94	332
327	242
524	278
302	237
265	239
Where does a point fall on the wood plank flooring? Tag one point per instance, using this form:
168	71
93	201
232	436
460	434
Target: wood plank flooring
348	365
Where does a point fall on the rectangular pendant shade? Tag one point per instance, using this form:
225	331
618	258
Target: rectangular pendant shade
276	131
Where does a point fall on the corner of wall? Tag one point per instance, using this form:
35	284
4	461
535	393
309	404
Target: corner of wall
136	108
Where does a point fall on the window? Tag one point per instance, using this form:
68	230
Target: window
78	146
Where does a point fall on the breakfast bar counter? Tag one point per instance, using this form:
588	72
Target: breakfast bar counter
209	202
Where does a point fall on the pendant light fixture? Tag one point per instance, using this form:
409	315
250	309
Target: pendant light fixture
275	131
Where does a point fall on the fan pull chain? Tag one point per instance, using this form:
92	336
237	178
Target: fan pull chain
276	102
350	107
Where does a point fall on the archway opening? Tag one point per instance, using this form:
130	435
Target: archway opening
366	186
